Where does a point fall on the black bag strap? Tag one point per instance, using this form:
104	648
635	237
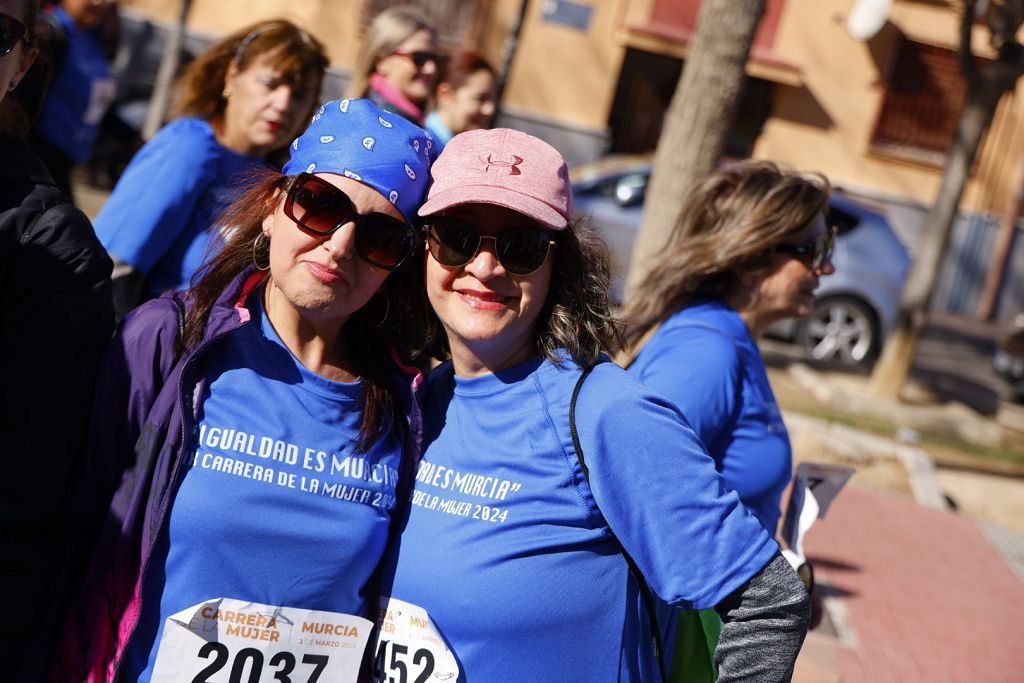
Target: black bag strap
645	591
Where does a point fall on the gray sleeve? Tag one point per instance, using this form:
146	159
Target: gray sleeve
763	625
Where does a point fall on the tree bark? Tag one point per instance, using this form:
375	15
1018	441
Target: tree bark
1004	245
698	120
985	87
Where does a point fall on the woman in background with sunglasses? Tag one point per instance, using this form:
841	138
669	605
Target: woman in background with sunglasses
517	552
55	319
243	99
251	431
398	62
748	251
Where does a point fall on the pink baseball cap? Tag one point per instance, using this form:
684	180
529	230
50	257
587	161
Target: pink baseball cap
504	167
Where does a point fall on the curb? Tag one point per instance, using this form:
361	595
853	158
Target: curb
953	419
860	446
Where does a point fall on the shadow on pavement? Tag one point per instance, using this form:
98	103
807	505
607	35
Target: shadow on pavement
832	565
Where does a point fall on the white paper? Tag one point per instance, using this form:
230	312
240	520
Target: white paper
815	486
224	640
409	646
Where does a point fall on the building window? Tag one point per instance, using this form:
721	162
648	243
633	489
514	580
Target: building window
922	104
643	94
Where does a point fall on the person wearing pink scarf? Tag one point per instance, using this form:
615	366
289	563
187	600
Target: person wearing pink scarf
398	63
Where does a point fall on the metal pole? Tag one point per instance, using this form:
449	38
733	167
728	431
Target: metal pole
165	75
511	43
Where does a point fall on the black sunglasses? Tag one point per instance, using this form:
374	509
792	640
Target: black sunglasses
421	57
319	209
11	31
520	250
814	252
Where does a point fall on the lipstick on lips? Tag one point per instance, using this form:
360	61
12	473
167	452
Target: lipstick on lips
323	273
485	301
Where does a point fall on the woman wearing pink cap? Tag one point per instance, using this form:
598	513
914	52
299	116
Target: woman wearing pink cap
555	522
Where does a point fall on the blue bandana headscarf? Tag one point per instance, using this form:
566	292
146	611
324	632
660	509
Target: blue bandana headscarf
358	139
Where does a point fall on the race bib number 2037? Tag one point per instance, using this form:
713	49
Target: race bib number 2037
231	641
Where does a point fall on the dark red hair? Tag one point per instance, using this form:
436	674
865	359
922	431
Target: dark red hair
462	64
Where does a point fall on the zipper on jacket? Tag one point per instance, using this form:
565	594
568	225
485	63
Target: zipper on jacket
187	417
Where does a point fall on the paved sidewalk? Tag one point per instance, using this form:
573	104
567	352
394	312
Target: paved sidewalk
915	594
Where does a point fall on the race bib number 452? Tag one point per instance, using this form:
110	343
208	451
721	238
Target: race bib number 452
409	648
230	641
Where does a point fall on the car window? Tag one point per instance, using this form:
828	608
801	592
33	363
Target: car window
843	220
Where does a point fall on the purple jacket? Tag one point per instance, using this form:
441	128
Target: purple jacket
142	431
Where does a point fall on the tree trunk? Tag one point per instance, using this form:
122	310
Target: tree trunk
169	61
893	367
698	120
1003	247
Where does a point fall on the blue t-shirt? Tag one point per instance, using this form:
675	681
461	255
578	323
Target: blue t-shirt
438	129
80	94
704	360
276	506
508	548
160	217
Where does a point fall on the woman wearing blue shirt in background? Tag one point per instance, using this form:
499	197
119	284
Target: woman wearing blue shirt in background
80	93
509	545
244	98
749	249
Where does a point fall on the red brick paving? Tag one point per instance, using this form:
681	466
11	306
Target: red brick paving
927	596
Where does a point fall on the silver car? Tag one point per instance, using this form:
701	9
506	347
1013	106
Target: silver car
854	308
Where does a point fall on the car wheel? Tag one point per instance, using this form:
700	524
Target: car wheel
840	329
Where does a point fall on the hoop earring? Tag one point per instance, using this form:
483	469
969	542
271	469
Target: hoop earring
256	246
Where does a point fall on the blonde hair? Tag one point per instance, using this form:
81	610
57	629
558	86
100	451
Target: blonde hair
294	51
387	32
728	225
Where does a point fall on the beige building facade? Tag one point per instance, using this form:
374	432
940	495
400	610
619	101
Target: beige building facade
595	75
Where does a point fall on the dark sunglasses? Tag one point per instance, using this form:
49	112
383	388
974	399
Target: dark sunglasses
814	252
421	57
11	31
319	209
520	250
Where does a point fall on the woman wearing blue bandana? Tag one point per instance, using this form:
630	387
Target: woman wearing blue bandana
255	439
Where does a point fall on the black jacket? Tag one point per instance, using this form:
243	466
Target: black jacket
56	316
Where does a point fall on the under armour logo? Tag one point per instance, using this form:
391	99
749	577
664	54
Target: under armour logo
512	166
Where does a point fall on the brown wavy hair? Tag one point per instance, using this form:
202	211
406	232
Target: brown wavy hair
394	319
577	316
300	56
728	226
